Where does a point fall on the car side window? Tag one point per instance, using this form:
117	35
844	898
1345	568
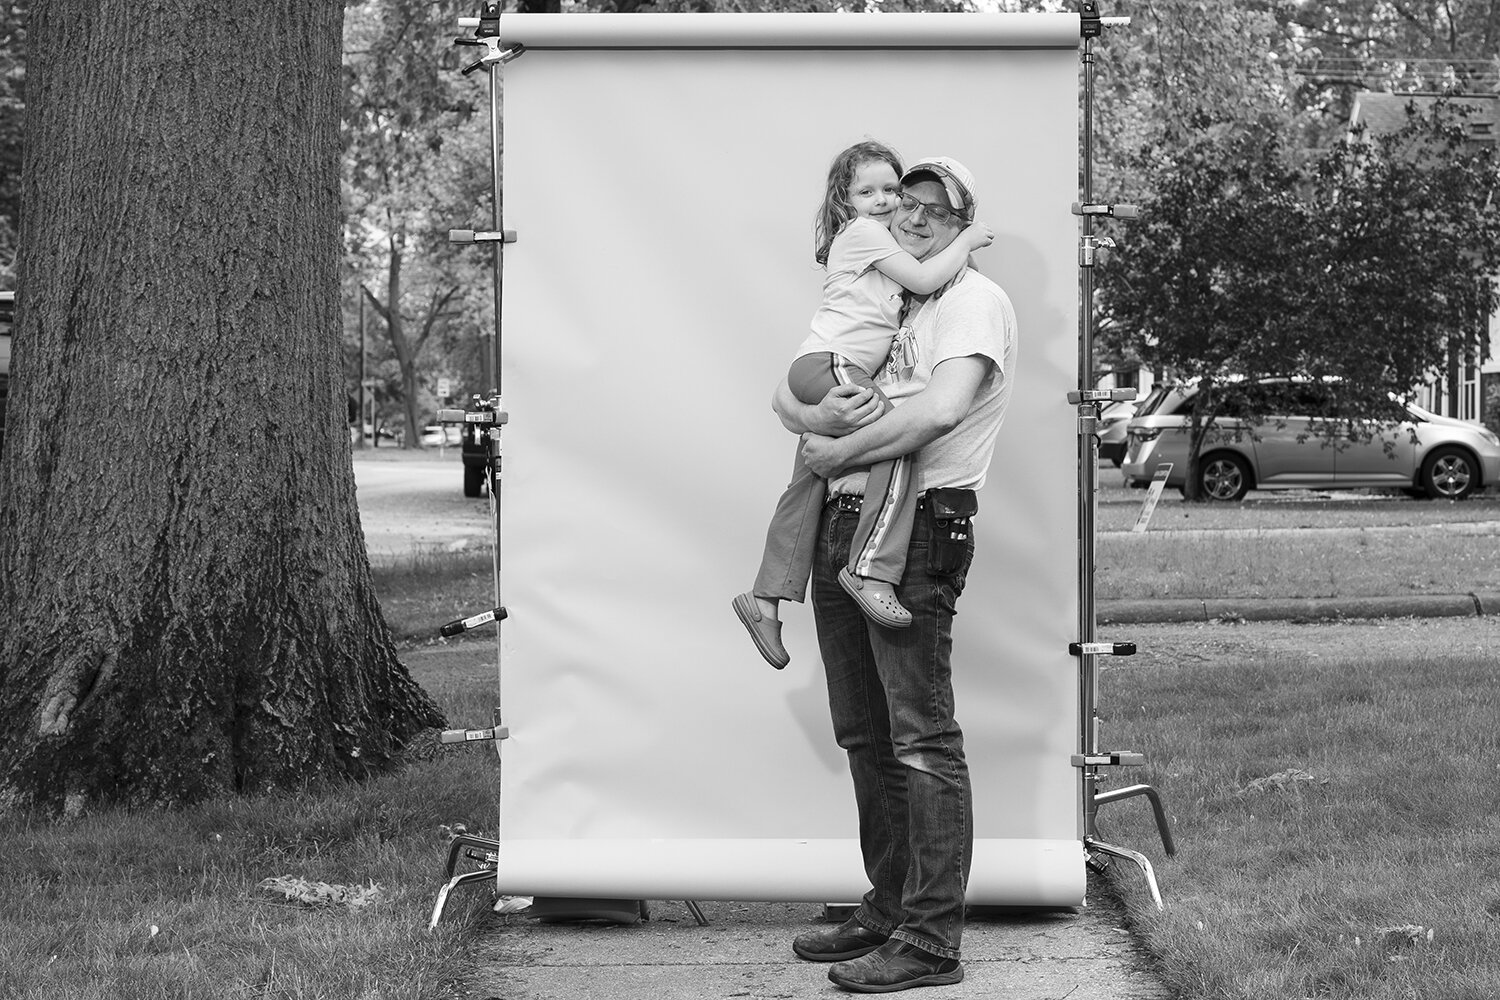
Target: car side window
1312	400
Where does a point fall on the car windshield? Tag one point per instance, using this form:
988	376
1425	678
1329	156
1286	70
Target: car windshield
1153	402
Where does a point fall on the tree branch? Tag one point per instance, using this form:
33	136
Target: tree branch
434	313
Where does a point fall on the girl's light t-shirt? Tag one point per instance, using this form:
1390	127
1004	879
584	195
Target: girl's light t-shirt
861	307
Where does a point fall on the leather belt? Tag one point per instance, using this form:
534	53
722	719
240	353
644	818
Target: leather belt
851	503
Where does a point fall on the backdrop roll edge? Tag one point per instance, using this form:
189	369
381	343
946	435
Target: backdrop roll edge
803	31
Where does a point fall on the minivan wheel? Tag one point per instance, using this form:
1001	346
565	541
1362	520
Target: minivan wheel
1448	474
1223	477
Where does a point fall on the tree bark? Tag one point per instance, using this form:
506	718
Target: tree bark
186	604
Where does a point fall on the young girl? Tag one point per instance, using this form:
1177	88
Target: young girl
851	337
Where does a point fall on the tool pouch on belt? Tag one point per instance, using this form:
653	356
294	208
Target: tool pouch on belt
948	511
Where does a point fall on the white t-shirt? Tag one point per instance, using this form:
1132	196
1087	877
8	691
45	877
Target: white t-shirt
973	317
861	307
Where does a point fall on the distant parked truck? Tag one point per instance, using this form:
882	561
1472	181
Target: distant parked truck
477	422
476	458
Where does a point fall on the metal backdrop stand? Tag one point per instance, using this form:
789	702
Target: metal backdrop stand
1087	399
487	417
483	421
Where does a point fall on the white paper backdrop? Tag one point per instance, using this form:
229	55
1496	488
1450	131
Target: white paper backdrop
663	199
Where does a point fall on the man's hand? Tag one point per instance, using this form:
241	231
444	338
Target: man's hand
822	454
846	408
905	430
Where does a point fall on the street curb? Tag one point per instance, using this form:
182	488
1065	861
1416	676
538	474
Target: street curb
1168	610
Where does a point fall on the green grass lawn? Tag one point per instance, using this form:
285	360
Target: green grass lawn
1286	546
125	905
1284	887
421	593
1358	562
1334	811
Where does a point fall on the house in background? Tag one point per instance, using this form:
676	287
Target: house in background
1463	390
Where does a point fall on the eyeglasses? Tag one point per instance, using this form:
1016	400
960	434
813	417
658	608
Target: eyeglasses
937	213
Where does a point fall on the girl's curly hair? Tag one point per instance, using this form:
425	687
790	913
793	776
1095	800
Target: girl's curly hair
836	212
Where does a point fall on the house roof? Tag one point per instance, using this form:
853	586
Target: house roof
1383	113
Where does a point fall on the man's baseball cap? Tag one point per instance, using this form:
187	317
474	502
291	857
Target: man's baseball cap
955	178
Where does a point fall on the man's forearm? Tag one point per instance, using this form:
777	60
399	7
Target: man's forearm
917	422
845	408
792	412
903	431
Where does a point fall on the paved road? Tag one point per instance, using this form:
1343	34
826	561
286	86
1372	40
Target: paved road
416	503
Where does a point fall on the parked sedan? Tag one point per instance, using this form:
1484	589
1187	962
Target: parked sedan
1426	454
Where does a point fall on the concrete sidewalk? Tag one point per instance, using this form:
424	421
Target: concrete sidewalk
745	951
745	948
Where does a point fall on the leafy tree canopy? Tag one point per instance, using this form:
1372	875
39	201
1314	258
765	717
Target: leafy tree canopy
12	113
1368	264
416	163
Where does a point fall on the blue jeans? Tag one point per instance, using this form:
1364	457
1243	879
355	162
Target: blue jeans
890	693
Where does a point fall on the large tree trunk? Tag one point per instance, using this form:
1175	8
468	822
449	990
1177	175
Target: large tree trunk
185	600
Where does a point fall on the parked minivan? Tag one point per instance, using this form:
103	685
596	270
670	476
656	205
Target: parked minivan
1287	448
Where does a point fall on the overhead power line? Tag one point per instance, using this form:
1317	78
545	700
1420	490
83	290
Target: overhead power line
1403	73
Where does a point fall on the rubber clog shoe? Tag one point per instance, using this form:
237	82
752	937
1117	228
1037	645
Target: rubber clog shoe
765	631
876	599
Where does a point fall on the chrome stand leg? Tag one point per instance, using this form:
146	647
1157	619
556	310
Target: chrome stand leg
1100	847
453	883
456	848
1162	827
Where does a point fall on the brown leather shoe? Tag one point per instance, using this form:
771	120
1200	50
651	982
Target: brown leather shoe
850	939
894	966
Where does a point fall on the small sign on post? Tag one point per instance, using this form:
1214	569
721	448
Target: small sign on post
444	387
1153	494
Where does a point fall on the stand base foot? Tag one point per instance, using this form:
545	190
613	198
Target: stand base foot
467	878
480	849
1116	794
1094	847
